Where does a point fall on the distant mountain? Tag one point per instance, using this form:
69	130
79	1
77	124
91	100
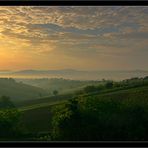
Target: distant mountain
64	71
77	74
5	71
19	91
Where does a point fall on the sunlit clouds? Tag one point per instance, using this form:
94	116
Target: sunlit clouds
89	38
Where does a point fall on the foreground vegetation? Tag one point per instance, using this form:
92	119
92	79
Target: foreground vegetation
107	111
115	116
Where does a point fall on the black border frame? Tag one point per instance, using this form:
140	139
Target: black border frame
74	3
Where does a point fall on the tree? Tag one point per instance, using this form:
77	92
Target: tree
55	92
73	106
109	84
65	121
9	122
40	95
5	103
145	78
90	88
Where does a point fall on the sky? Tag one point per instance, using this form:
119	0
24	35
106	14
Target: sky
74	37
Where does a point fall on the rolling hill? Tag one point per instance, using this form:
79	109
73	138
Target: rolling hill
19	91
59	84
39	114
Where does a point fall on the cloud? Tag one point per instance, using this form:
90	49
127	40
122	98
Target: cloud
78	17
128	34
74	32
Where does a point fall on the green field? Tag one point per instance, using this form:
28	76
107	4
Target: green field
37	117
107	111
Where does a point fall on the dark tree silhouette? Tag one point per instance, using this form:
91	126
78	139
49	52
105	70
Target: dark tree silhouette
109	84
55	92
6	103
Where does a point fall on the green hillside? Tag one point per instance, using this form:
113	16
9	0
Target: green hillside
19	91
107	111
59	84
40	114
116	116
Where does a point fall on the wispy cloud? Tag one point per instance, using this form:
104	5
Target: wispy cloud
73	33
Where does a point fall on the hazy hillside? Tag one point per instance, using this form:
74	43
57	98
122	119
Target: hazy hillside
61	85
41	116
19	91
75	74
114	106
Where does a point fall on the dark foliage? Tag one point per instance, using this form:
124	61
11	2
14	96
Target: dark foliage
96	118
5	103
55	92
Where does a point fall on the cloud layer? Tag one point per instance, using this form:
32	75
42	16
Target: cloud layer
74	37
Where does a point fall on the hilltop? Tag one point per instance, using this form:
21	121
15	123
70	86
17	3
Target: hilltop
19	91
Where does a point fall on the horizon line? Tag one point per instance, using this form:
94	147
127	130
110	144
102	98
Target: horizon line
16	70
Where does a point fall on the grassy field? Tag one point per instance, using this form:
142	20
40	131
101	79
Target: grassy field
37	117
40	105
44	100
50	100
37	120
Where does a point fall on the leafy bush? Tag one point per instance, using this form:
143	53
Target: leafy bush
116	117
9	122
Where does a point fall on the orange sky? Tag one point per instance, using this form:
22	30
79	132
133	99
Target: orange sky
88	38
